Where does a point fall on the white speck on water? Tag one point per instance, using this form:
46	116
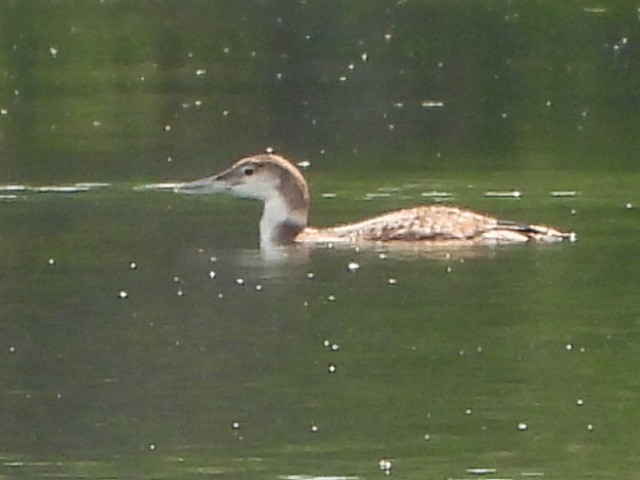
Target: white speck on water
51	261
522	426
133	265
226	50
278	76
198	103
481	471
364	57
590	427
436	194
221	295
258	288
342	78
331	298
310	275
628	206
4	111
213	259
314	428
573	211
60	189
201	72
157	186
548	104
225	113
511	194
53	51
304	165
97	123
353	267
167	128
579	402
392	281
239	281
382	256
594	10
564	193
387	37
385	465
568	347
212	274
351	66
180	293
432	104
152	446
621	43
235	425
468	411
335	347
12	349
427	437
448	269
371	196
123	294
332	368
326	343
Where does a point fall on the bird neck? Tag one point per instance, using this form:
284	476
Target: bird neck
281	221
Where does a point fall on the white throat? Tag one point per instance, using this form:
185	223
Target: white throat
279	221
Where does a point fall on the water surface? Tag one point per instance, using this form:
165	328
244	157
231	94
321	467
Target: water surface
143	333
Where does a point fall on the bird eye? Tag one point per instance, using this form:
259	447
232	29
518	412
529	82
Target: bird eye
248	171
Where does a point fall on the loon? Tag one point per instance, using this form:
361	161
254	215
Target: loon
281	186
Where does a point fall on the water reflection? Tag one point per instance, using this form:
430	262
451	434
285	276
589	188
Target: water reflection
212	358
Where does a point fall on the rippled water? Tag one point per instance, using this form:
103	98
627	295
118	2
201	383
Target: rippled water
146	336
143	333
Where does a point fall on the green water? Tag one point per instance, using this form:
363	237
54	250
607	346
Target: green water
143	334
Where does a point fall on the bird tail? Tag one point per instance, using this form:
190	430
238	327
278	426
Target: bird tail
540	233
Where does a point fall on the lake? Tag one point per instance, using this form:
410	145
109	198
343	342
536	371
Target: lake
144	334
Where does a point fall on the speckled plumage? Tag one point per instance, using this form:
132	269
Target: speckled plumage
281	186
434	223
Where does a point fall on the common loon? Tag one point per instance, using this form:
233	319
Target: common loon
280	185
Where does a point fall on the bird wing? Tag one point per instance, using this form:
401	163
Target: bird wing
433	222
